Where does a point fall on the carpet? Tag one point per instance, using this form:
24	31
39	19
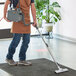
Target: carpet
40	67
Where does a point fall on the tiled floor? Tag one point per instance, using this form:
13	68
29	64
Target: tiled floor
64	52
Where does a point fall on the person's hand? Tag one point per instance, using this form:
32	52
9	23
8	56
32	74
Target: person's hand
7	19
35	24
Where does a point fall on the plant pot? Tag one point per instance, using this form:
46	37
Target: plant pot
49	27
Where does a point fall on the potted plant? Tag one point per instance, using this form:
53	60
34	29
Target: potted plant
40	5
52	16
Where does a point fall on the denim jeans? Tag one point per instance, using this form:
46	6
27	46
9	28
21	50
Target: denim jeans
14	44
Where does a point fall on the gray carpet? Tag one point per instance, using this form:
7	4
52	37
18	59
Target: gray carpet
40	67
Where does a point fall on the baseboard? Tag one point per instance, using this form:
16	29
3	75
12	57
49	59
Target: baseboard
73	40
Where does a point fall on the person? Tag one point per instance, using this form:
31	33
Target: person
19	30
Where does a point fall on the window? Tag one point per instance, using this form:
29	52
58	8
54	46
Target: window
3	23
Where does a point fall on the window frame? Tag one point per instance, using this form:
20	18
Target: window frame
5	33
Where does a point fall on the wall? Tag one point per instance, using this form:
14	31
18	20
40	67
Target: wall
67	26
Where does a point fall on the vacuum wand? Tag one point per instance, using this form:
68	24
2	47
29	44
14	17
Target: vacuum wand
59	68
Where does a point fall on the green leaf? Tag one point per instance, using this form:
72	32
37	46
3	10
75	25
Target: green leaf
55	19
57	15
55	4
43	17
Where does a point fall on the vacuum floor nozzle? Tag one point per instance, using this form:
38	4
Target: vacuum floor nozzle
61	70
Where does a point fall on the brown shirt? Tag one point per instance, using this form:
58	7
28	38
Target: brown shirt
19	27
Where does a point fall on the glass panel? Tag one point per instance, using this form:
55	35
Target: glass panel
3	23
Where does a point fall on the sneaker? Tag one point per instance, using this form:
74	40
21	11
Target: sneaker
11	62
26	63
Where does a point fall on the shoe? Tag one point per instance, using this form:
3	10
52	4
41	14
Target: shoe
26	63
11	62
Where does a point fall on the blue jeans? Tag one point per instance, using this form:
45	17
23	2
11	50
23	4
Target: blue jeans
14	44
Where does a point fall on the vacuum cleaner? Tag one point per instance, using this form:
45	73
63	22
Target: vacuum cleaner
60	70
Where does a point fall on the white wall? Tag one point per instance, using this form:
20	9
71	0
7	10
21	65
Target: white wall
67	26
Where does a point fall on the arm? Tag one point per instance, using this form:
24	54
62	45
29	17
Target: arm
33	10
5	9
